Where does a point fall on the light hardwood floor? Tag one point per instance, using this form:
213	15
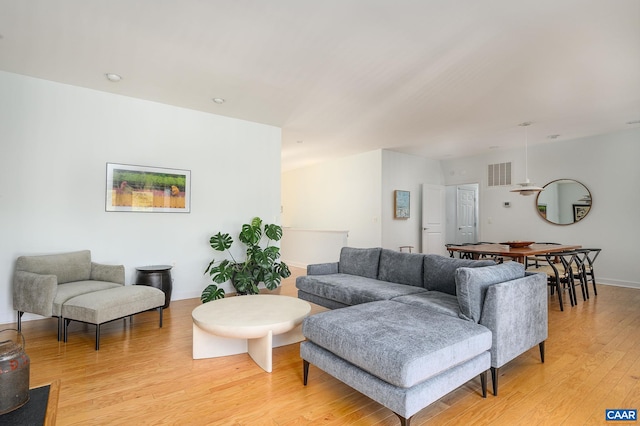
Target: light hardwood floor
145	375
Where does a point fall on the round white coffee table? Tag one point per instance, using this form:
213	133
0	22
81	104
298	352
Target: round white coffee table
253	324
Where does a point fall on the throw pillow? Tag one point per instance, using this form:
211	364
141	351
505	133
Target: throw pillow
358	261
401	268
472	284
439	271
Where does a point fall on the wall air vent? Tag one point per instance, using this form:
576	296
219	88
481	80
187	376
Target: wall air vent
499	174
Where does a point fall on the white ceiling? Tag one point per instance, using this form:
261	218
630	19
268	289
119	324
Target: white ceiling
436	78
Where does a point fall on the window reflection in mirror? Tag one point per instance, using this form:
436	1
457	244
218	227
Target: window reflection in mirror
563	202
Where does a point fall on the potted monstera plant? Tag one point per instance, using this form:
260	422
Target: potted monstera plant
260	264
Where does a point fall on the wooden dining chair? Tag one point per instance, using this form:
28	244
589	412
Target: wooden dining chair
536	261
558	277
577	272
452	252
496	258
590	257
466	254
560	274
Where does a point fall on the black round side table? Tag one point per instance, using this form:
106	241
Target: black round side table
158	276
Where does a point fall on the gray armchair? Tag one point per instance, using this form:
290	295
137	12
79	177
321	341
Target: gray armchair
42	284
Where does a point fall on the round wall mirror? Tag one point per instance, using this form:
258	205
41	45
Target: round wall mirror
563	202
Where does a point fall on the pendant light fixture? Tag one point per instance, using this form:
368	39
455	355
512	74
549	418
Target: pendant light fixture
526	187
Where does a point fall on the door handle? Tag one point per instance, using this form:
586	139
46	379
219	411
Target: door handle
424	229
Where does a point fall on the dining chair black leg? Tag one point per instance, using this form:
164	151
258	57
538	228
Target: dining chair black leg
583	278
572	291
590	256
557	286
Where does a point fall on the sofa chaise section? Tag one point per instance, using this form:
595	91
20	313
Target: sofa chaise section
419	356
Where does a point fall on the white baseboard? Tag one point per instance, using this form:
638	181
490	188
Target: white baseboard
617	283
295	264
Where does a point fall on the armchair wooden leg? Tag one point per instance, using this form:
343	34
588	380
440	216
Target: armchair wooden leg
97	337
20	314
160	316
483	383
494	380
541	346
65	326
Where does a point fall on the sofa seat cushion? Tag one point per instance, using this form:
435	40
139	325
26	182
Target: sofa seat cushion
352	289
359	261
434	301
401	344
439	271
70	290
401	268
472	284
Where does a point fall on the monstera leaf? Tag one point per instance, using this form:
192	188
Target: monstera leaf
212	292
221	242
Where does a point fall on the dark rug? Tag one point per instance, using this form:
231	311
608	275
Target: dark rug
30	414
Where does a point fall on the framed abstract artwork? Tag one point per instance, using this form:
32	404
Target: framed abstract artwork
402	204
133	188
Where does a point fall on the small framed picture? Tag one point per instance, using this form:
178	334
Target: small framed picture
147	189
542	209
580	211
402	204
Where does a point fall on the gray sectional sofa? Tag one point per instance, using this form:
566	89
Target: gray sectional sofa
413	327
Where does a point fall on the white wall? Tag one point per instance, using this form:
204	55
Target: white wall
302	247
56	140
342	194
355	193
607	165
407	173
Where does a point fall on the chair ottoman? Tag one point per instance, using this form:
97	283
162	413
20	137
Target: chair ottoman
108	305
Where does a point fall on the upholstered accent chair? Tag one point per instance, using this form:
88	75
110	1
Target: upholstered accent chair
42	284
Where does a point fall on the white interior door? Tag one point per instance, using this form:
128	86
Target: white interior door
433	225
466	215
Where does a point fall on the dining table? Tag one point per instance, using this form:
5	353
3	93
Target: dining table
519	254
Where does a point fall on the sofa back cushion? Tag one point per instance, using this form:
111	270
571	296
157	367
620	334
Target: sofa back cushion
439	271
359	261
67	267
472	285
401	268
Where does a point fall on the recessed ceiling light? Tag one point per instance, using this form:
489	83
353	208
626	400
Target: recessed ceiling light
218	100
553	136
113	77
633	122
